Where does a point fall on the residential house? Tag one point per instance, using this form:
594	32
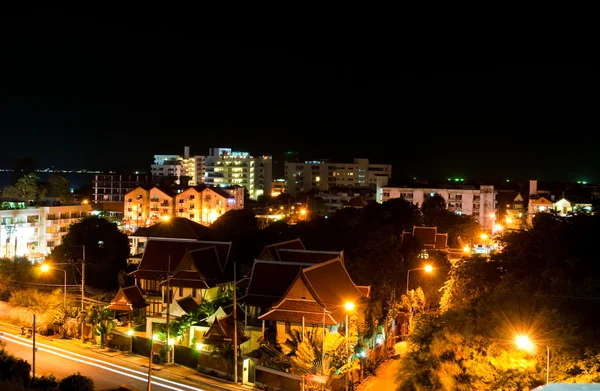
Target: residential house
515	213
174	228
194	268
161	204
128	300
538	205
269	252
316	299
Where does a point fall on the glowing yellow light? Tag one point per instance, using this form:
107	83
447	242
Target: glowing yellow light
349	306
213	216
44	268
281	207
523	342
498	227
492	215
171	341
467	249
303	211
165	218
155	337
199	346
484	236
130	332
509	220
85	202
318	179
428	268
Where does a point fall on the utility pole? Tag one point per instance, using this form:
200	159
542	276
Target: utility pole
33	359
82	294
235	352
149	387
168	308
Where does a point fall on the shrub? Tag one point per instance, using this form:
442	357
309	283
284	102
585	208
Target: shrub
76	382
44	383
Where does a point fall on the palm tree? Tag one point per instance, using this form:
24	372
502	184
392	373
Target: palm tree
414	303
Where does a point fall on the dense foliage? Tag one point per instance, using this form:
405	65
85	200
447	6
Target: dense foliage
545	284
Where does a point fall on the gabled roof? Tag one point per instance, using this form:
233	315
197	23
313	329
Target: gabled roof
518	198
308	256
324	287
181	307
222	331
166	191
128	299
356	202
158	252
176	228
221	192
269	252
441	241
427	236
540	201
269	281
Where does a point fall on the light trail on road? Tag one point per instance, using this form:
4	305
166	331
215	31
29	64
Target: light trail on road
94	362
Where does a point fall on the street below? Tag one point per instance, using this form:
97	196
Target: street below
384	379
61	363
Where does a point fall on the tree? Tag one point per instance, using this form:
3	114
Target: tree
26	188
235	222
60	187
76	382
435	203
106	250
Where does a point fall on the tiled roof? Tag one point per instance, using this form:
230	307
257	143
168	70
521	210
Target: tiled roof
188	279
188	304
176	227
222	330
272	279
269	253
425	234
331	283
156	255
243	283
221	192
128	299
166	191
441	241
307	256
311	314
540	201
207	262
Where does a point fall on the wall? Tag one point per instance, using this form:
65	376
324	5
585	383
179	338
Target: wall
278	380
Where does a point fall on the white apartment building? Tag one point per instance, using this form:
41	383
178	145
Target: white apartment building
34	231
224	168
178	166
479	203
321	175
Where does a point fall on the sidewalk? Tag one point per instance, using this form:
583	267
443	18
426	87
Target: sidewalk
173	372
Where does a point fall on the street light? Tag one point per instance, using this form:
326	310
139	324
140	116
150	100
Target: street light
46	268
524	343
427	268
349	306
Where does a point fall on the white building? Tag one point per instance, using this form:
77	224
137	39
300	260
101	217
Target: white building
321	175
178	166
34	231
479	203
225	168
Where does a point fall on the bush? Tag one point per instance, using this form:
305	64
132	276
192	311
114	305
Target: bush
44	383
13	369
76	383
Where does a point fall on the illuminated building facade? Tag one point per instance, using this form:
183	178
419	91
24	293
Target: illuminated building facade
201	204
34	231
225	168
321	175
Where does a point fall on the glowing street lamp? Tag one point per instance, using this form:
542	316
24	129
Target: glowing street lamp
46	268
467	249
524	343
303	212
427	268
484	236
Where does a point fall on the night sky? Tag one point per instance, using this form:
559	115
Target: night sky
83	92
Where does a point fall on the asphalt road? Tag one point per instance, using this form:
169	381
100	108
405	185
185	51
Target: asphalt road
62	363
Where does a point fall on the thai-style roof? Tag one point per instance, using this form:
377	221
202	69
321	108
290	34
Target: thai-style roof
176	228
269	252
222	330
308	256
128	299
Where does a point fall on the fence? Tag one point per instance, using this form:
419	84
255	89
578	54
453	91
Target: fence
186	356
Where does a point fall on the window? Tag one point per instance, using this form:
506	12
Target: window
191	216
458	196
50	244
180	210
194	292
288	328
180	291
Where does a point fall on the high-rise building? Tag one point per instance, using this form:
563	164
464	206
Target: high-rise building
322	175
224	168
178	166
112	187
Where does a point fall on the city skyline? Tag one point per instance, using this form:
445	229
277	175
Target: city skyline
117	93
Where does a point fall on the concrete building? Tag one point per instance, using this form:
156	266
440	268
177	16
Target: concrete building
225	168
34	231
468	200
145	206
179	166
321	175
337	197
112	187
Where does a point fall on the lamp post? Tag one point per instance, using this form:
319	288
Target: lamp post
45	268
484	237
523	342
349	306
82	293
149	387
427	268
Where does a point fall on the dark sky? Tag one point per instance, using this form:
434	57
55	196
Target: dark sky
96	92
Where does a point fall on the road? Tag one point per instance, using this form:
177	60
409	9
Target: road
61	363
385	378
